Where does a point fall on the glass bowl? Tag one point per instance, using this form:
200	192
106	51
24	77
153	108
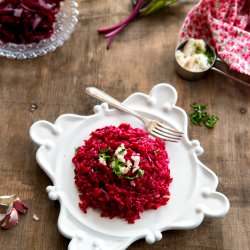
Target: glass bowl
65	23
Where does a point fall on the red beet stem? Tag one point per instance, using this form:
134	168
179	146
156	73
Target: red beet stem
114	32
131	17
110	40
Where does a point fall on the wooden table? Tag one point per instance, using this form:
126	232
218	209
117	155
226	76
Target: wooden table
140	57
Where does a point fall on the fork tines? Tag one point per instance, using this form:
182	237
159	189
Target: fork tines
166	133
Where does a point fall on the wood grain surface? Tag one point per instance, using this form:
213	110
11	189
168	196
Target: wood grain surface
141	56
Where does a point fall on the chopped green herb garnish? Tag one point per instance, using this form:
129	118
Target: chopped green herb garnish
120	167
117	163
198	51
122	151
76	149
105	150
200	116
156	151
139	174
210	55
103	154
211	121
116	169
106	157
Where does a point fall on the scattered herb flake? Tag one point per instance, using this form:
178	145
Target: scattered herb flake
140	173
122	151
119	166
211	121
103	157
105	150
210	55
76	150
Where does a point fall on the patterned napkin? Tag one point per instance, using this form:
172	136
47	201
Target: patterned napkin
225	25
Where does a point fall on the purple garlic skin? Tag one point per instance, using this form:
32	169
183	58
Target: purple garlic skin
13	205
11	219
20	206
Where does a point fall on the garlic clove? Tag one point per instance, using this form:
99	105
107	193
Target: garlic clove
20	206
11	219
6	200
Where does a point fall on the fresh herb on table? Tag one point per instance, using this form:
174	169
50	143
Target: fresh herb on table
140	8
211	121
200	116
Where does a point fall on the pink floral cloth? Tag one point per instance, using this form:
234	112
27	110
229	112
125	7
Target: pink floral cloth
225	25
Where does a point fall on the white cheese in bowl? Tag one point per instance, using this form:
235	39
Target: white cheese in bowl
193	57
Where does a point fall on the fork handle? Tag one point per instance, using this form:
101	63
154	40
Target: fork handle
104	97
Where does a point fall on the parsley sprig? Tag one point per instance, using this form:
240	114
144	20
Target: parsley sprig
200	116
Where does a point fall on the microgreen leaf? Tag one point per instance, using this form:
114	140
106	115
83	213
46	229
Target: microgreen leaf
77	149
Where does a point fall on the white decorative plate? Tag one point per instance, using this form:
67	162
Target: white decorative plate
193	190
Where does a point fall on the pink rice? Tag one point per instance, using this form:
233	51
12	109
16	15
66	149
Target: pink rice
101	189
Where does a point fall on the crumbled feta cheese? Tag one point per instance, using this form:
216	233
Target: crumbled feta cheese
118	160
197	63
136	159
193	45
129	164
121	152
189	59
124	169
102	161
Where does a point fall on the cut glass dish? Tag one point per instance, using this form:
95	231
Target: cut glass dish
65	23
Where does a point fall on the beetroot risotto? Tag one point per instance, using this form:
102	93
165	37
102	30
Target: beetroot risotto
122	172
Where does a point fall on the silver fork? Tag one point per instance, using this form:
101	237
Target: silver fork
153	127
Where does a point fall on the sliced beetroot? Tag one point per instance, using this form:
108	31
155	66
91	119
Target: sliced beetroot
27	21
